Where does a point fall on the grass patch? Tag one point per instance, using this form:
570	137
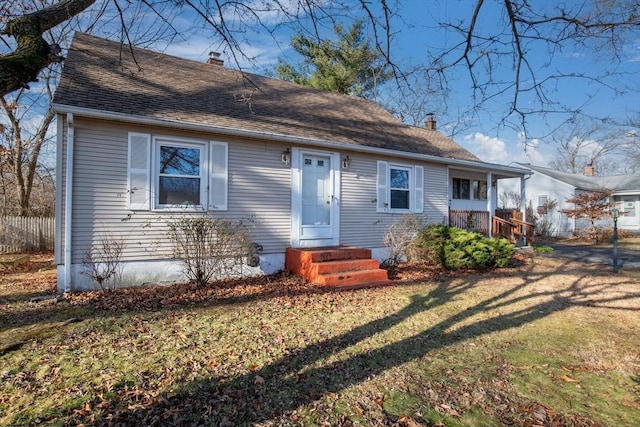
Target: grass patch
550	342
542	249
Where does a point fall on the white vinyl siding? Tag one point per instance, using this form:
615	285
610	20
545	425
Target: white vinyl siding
138	184
361	223
258	191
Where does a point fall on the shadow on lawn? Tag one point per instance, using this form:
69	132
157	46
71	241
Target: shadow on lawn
296	379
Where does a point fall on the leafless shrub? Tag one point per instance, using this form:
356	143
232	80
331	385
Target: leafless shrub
543	224
211	248
103	260
399	237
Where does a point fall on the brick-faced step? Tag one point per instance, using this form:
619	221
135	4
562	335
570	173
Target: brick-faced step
333	253
317	268
350	278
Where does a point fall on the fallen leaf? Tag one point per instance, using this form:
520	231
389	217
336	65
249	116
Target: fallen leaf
568	379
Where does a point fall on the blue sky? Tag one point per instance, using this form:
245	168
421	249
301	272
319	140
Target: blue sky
416	32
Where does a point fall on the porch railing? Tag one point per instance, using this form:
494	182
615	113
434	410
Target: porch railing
513	229
470	220
509	225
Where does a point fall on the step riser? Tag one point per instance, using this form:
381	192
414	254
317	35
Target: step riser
341	266
350	278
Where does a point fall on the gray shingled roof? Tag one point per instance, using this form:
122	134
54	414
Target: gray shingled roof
101	75
617	183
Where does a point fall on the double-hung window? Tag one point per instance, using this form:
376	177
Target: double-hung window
400	188
180	174
167	173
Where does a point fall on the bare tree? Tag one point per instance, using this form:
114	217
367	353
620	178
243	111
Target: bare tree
510	51
587	143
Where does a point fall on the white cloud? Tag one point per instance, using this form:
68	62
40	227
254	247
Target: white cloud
495	150
488	149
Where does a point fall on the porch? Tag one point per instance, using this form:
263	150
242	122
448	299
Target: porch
508	224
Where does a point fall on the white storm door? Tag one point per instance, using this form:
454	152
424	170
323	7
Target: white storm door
316	199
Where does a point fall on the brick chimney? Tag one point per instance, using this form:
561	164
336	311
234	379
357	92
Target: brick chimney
214	59
431	122
589	170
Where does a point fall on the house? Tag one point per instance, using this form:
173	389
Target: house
311	168
547	185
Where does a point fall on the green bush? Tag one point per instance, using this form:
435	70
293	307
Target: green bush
454	248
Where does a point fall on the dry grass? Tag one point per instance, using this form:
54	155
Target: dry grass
548	342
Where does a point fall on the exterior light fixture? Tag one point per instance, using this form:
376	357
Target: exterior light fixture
346	162
286	156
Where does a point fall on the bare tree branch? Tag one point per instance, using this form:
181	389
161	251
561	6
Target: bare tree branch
33	53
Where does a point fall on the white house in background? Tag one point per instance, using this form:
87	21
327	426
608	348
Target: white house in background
148	136
545	184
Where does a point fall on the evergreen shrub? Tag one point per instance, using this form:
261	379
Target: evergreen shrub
454	248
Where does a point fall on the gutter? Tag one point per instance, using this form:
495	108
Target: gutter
68	203
141	120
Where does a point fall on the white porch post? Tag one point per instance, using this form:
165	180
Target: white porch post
523	199
490	206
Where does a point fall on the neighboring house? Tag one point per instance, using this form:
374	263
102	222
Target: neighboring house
545	184
310	168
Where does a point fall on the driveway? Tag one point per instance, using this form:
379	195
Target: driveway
627	258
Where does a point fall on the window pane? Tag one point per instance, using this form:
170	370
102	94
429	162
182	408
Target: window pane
464	189
179	191
399	199
179	161
480	190
399	178
461	188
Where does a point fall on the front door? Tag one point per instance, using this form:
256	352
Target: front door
315	201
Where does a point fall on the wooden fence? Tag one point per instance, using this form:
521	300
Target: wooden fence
26	234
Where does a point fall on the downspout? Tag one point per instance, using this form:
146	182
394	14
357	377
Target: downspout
68	196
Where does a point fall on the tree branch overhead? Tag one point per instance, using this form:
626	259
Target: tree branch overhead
33	53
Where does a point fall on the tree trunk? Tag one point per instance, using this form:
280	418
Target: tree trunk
33	53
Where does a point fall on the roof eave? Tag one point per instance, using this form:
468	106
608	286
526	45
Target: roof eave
508	171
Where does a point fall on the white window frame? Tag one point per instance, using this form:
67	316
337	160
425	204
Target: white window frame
159	141
409	169
416	189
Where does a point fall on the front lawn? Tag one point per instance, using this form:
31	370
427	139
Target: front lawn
550	342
